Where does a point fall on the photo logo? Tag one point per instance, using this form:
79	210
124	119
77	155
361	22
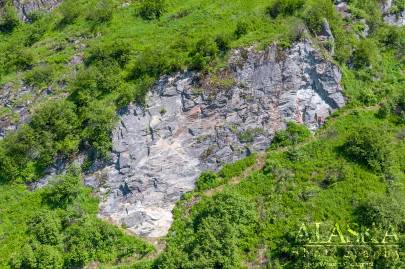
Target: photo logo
348	245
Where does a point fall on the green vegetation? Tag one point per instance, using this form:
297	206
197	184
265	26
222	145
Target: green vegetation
152	9
292	135
57	227
245	216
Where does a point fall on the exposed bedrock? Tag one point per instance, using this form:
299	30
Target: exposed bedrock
26	7
188	127
394	18
389	9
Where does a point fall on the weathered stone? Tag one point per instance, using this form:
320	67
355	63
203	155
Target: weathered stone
26	7
163	147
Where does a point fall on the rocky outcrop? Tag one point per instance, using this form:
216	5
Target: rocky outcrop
388	9
394	18
26	7
190	124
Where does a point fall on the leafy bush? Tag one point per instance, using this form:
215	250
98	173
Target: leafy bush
383	212
64	190
91	239
69	12
364	54
204	52
58	121
94	82
294	134
99	119
315	13
38	256
223	43
118	51
152	9
213	235
52	131
101	13
284	7
207	180
39	76
8	19
237	168
369	146
151	63
45	227
242	28
18	59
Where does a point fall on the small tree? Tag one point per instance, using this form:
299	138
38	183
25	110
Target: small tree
152	9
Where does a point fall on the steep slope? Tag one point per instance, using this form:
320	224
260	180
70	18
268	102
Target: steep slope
187	127
172	88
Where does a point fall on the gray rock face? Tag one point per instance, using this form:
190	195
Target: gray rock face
397	19
187	127
25	7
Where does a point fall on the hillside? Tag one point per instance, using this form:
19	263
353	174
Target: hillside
202	134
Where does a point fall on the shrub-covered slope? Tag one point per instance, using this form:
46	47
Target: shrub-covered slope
64	74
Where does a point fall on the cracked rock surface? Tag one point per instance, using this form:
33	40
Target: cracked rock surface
26	7
187	127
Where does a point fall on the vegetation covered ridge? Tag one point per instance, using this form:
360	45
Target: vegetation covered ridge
86	59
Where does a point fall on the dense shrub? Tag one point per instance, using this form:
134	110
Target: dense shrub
69	12
242	28
38	257
94	82
39	76
53	131
151	63
214	234
99	119
58	120
18	59
315	13
152	9
101	13
284	7
237	168
223	43
203	53
294	134
369	146
207	180
91	239
45	227
64	190
8	19
383	212
365	54
118	51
